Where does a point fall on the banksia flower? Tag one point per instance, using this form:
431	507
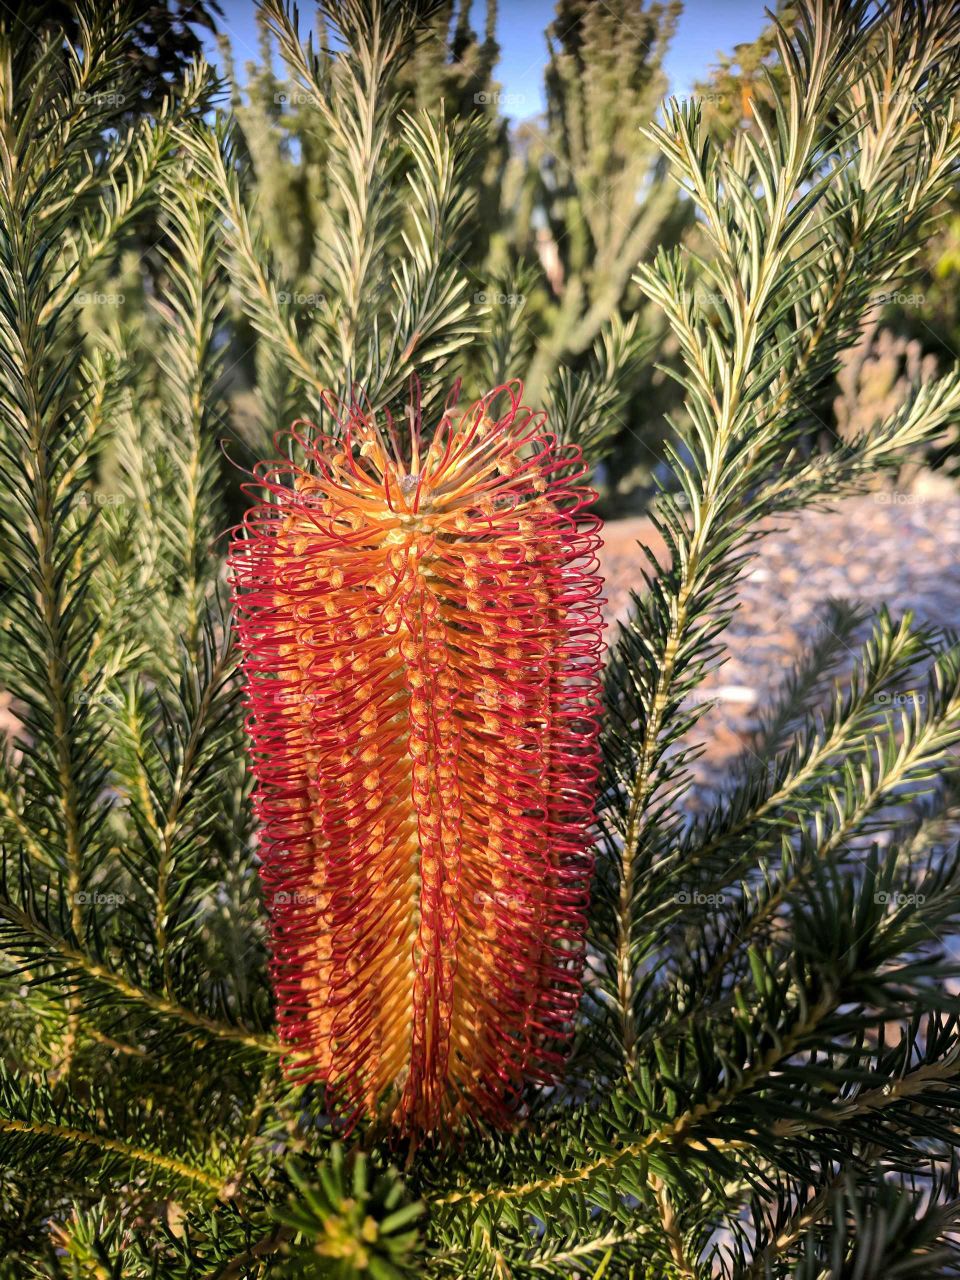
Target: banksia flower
420	623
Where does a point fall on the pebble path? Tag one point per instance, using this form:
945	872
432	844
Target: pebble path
898	549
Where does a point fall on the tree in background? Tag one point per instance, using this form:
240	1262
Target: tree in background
749	73
913	325
560	214
587	199
167	39
598	201
764	1078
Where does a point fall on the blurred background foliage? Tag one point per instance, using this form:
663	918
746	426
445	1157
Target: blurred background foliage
563	205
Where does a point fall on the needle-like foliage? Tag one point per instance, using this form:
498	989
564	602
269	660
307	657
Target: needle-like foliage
764	1074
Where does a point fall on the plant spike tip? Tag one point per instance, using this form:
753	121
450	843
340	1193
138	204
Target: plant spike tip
421	629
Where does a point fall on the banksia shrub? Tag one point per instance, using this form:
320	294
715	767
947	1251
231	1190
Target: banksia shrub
761	1074
420	622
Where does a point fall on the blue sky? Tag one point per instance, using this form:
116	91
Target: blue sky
705	27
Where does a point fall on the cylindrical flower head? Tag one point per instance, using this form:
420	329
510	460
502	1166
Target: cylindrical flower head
420	624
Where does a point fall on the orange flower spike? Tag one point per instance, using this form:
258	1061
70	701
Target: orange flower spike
421	633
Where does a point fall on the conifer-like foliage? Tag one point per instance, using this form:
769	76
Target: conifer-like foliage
558	219
765	1075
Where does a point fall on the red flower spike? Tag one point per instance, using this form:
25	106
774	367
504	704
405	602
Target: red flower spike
421	628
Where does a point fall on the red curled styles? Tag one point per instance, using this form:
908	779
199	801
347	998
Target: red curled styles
420	624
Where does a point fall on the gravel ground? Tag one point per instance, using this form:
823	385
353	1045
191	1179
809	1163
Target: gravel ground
898	549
